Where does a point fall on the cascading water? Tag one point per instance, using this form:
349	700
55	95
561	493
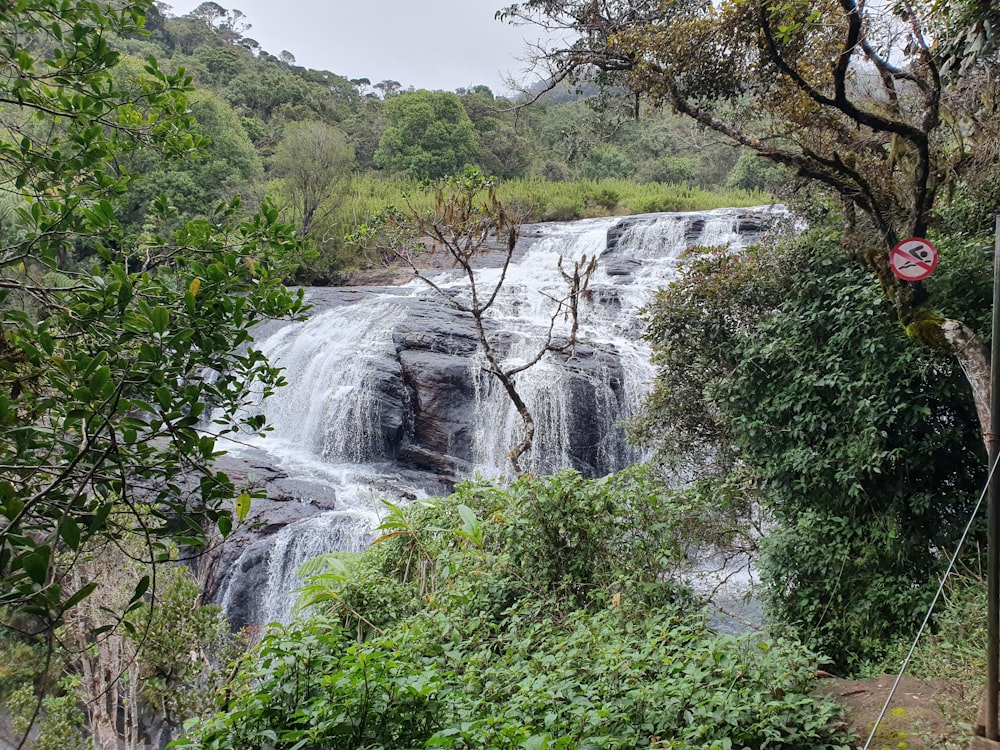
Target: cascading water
388	396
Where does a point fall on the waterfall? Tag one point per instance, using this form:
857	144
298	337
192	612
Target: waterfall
388	393
272	599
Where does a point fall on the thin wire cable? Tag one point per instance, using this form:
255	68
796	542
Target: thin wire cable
930	611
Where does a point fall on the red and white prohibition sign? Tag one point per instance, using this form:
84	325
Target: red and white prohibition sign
913	259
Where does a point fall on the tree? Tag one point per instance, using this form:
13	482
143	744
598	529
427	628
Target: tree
188	34
965	33
503	148
114	372
209	13
753	173
262	91
607	163
215	65
428	135
848	95
364	129
130	682
315	161
388	88
226	166
466	223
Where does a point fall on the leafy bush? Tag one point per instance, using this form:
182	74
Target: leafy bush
60	725
529	624
610	679
573	541
311	687
861	443
848	419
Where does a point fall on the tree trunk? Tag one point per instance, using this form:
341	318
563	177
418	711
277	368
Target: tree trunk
974	357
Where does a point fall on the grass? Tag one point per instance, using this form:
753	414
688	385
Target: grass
536	200
954	653
542	200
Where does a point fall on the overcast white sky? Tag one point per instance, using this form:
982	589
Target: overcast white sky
430	44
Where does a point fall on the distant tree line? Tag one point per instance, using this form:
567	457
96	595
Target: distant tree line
312	139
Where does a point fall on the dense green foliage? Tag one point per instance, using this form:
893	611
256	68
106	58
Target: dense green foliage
108	339
428	135
535	615
61	726
861	443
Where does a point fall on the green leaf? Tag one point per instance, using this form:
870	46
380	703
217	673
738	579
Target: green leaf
69	531
36	565
79	596
100	518
13	507
99	379
242	506
160	318
140	590
468	517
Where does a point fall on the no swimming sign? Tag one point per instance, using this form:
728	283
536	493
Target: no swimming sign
913	259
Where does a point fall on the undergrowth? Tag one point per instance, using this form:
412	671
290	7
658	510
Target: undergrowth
953	653
534	615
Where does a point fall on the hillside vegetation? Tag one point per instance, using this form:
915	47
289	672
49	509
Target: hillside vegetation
331	151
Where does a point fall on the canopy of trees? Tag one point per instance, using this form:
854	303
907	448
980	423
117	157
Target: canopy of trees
395	133
853	97
427	135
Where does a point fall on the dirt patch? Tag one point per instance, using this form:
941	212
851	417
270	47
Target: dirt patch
923	715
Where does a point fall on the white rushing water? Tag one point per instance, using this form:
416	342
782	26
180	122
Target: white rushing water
329	425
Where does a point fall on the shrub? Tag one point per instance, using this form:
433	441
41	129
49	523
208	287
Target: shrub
529	624
862	444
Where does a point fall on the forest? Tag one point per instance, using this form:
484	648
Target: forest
168	186
328	151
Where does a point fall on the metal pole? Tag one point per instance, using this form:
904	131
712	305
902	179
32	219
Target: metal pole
993	531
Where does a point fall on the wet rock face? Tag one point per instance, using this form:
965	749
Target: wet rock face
427	394
435	344
594	446
424	398
441	411
244	604
749	223
288	500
